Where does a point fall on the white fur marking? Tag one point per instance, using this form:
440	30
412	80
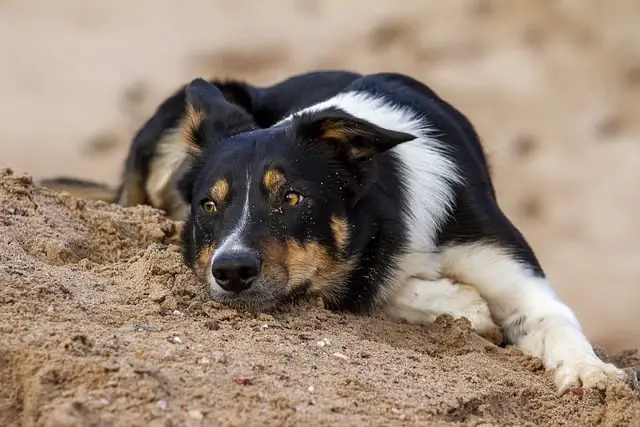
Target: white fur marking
422	301
233	242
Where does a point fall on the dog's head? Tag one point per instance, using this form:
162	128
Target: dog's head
269	207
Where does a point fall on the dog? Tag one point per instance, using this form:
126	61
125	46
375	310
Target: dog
156	157
376	197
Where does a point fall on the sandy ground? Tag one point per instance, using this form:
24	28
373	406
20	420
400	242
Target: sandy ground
90	291
102	325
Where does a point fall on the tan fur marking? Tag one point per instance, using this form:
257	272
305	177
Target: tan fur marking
190	122
312	263
220	191
273	267
338	133
273	179
293	264
202	261
341	133
340	229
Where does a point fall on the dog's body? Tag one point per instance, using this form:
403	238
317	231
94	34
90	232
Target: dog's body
379	196
156	156
370	191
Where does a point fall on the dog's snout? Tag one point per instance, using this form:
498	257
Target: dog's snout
236	272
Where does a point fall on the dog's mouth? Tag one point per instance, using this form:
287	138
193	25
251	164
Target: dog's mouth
263	297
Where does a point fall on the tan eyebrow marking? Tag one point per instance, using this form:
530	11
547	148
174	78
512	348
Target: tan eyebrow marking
273	179
220	191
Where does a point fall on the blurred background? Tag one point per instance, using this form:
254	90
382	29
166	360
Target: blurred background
553	88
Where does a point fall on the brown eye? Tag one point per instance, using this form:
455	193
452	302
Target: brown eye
292	198
209	206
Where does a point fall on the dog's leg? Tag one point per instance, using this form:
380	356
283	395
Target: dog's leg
530	313
421	301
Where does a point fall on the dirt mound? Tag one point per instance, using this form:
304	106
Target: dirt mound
102	325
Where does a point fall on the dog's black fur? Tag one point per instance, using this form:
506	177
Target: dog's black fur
364	189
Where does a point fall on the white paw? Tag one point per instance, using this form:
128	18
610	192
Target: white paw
589	372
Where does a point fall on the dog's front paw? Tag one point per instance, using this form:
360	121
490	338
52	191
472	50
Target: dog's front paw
589	372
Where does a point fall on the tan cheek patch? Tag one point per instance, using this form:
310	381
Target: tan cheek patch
312	263
220	191
273	180
273	269
340	229
191	122
304	261
292	264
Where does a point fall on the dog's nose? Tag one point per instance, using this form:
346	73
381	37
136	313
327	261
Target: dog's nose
237	271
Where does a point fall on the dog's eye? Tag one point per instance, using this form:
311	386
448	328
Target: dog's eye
208	206
292	198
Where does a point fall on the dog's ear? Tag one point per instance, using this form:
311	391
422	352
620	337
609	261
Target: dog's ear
210	117
355	139
351	140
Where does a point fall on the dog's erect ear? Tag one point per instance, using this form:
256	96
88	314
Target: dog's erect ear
358	139
210	117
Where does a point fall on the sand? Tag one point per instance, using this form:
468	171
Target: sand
93	296
102	325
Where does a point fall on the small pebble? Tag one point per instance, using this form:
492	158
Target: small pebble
138	353
243	380
175	340
311	389
196	415
162	404
141	328
323	342
178	313
219	357
340	356
204	361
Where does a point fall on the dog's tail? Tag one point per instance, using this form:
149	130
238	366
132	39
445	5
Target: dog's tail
80	188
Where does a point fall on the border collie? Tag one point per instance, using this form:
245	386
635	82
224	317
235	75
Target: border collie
378	196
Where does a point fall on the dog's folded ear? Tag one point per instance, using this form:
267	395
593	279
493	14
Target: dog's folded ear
349	139
356	138
210	117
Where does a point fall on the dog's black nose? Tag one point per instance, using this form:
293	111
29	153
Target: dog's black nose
236	272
